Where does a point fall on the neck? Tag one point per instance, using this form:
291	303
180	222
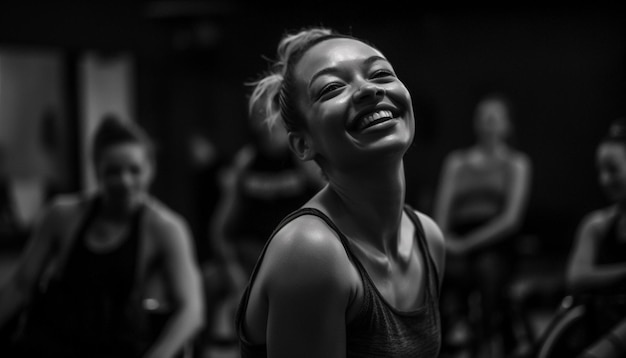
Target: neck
371	203
492	148
114	211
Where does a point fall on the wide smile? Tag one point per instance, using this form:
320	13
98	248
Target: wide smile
372	119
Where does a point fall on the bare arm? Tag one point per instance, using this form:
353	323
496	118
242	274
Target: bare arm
443	200
184	287
583	273
39	251
511	217
224	214
308	292
224	211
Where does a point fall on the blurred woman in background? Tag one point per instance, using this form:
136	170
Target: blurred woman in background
597	267
265	182
86	270
480	207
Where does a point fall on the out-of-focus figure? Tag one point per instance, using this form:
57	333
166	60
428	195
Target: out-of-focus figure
264	183
592	323
9	224
84	275
480	207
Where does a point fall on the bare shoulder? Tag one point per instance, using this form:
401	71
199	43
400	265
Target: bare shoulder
58	219
62	210
457	157
243	157
520	159
162	221
597	221
307	250
67	203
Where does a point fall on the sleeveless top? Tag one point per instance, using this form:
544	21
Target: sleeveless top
480	194
378	329
89	310
612	250
609	307
269	188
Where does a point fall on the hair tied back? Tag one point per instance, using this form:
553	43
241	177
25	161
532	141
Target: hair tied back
617	130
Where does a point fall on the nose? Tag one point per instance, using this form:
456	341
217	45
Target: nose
369	91
124	180
604	178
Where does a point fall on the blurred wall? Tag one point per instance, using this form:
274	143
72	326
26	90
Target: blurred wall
106	87
33	129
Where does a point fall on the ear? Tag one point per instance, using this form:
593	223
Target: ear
300	144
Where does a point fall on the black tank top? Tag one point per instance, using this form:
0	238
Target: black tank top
90	308
378	330
612	250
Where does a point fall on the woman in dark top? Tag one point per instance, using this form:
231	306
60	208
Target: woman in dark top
265	182
480	207
87	268
354	272
597	266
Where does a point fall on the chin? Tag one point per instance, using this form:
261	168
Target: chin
127	202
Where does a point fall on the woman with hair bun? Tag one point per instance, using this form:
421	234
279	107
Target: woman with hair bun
85	271
597	267
354	272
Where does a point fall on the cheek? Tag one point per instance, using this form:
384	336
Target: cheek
613	183
144	178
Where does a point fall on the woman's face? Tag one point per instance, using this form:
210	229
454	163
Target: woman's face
124	172
611	163
492	122
356	109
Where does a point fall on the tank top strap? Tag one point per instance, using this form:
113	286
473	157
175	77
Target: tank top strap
431	269
91	208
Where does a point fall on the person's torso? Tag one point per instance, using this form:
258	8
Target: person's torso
480	192
612	246
607	307
378	329
269	189
93	301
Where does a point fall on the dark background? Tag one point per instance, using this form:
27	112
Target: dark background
563	67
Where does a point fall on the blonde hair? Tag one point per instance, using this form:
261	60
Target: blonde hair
273	92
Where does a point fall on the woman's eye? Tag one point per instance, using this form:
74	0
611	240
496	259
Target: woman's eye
328	89
382	73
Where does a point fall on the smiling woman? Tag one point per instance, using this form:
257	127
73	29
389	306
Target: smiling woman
355	272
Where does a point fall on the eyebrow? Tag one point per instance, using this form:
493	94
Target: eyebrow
368	61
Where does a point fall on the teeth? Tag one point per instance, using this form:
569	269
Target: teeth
370	118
